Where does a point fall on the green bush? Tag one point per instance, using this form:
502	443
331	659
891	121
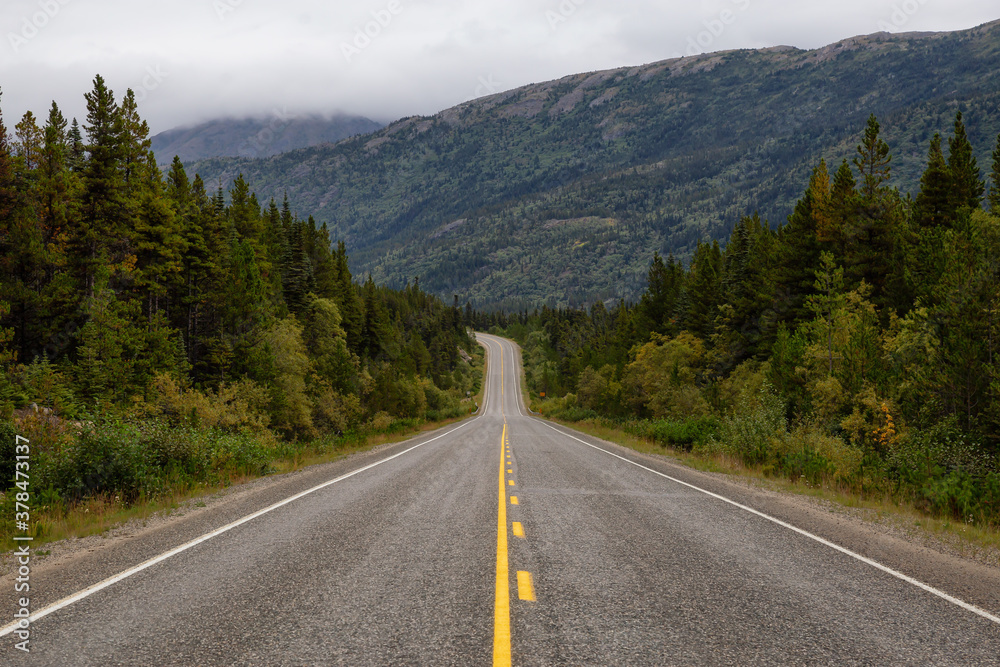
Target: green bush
806	464
750	430
683	434
8	435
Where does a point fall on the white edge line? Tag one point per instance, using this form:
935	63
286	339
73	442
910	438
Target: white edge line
76	597
888	570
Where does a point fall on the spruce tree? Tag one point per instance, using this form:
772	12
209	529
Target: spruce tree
348	301
966	183
134	142
657	307
934	205
77	150
704	290
838	222
994	198
101	228
54	178
800	244
872	161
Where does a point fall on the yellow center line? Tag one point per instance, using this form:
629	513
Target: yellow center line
501	604
511	482
518	529
513	500
525	589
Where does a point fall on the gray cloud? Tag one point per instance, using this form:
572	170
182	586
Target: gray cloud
191	60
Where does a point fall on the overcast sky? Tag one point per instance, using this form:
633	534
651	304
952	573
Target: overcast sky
193	60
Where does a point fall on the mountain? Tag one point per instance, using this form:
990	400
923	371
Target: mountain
257	137
560	192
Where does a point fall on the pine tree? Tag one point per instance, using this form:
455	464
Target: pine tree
77	151
935	204
838	223
28	146
994	198
134	143
966	184
658	305
875	227
827	302
872	161
244	212
376	335
800	245
19	249
100	228
704	289
348	301
324	267
297	278
159	240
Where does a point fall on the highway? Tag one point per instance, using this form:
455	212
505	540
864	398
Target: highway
505	539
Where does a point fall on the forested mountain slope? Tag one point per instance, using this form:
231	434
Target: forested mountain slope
560	192
256	137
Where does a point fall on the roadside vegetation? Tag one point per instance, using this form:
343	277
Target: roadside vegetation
157	339
853	348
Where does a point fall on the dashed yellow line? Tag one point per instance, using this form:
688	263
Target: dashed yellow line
525	589
513	500
511	482
518	529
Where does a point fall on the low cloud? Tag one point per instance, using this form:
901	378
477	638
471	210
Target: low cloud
194	60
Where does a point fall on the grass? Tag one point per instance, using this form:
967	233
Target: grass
966	538
98	514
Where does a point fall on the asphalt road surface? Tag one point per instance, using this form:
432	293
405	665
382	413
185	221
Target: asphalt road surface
504	539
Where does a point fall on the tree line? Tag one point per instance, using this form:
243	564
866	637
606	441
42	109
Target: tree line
129	291
858	341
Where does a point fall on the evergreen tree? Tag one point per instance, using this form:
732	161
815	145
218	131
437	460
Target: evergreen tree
935	202
800	245
704	290
324	266
994	198
966	184
658	306
347	300
55	181
749	288
376	337
873	161
134	143
77	150
836	226
100	229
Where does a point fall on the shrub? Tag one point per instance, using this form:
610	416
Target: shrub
808	450
682	434
750	429
235	406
